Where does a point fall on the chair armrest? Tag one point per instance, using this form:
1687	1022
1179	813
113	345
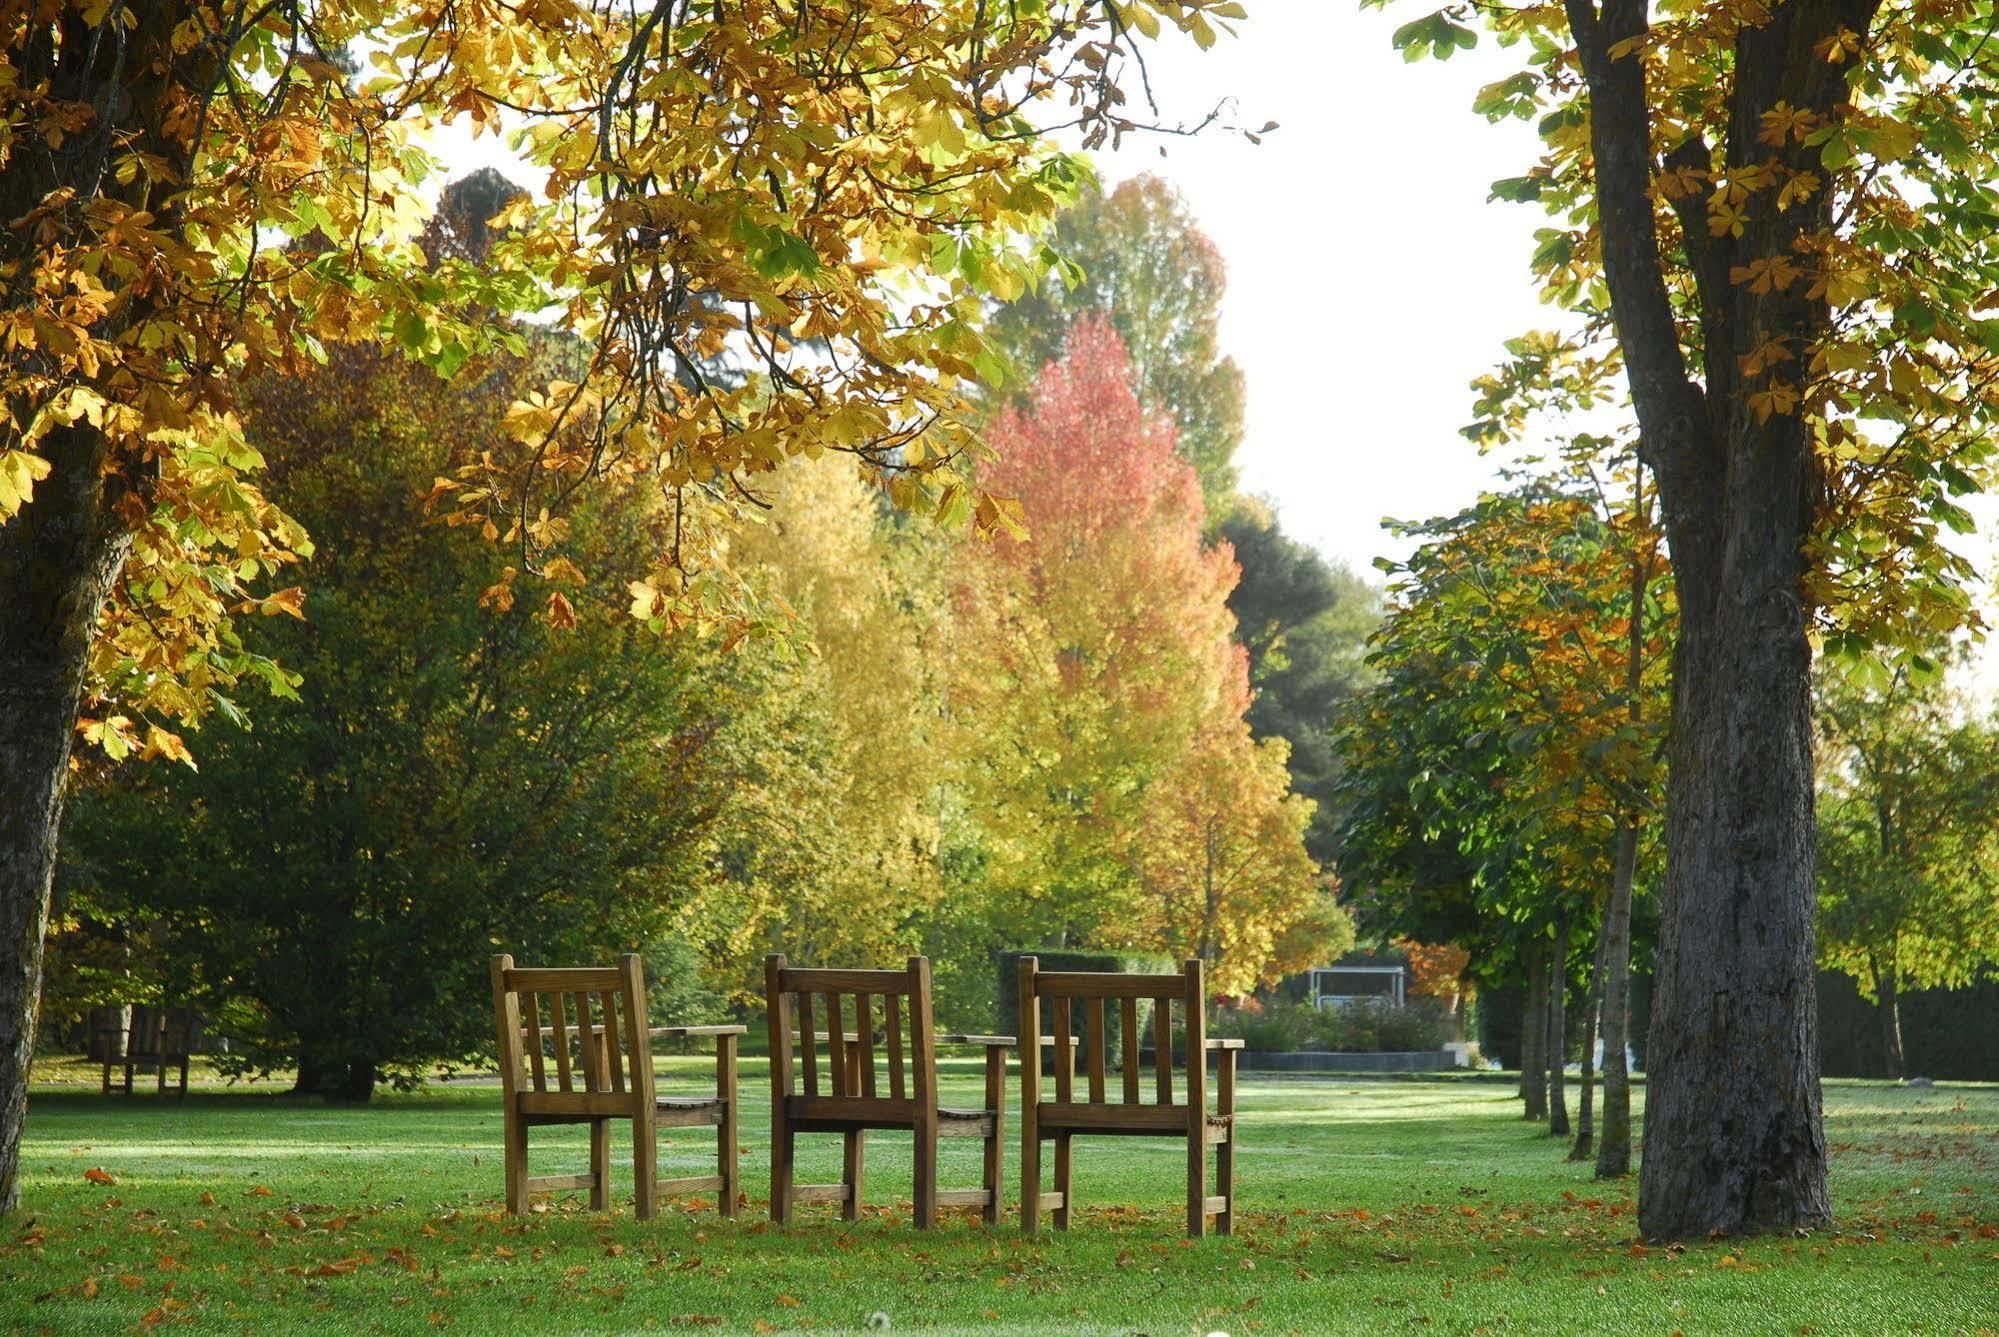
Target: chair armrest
851	1037
678	1032
1224	1044
989	1041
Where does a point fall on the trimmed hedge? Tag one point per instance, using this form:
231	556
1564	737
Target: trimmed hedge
1006	967
1947	1034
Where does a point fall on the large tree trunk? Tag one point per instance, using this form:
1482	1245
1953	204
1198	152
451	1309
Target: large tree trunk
58	558
1558	1032
1585	1145
1888	1006
1734	1139
60	554
1534	1039
1613	1160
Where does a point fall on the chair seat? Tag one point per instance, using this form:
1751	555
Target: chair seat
686	1102
944	1113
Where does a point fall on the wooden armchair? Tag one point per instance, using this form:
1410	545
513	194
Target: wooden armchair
1062	1118
607	1077
853	1102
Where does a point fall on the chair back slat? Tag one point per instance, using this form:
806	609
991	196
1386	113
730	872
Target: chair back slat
1128	1015
1162	1050
892	1041
808	1049
1096	1047
1065	1053
852	1069
558	1012
836	1045
864	1047
586	1040
612	1042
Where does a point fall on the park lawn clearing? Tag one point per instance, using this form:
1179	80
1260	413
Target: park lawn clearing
1366	1206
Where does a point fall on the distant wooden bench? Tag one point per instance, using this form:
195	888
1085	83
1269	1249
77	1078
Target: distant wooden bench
852	1101
1067	1115
599	1055
156	1038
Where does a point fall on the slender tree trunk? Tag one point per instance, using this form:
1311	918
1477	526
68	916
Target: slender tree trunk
1558	1032
1585	1146
1534	1038
1613	1159
1888	1007
58	558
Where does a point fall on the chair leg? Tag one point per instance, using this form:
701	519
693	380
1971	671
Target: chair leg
995	1148
515	1157
1197	1184
1225	1185
728	1147
926	1178
782	1150
1030	1175
600	1164
1065	1177
645	1168
851	1165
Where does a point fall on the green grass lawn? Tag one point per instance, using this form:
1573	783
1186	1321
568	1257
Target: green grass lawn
1367	1206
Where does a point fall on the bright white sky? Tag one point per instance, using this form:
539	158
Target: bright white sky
1369	280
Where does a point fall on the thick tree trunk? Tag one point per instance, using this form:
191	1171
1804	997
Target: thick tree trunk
1734	1139
1558	1032
1585	1144
1888	1006
58	558
1613	1159
1534	1039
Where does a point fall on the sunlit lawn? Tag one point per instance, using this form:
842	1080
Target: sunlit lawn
1368	1206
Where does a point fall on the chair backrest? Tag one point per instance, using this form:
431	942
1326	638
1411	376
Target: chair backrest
855	1011
574	1038
1084	998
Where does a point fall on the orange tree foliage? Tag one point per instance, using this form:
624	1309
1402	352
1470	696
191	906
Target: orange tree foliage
1124	802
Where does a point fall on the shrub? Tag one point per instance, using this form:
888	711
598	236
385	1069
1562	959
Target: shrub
1353	1029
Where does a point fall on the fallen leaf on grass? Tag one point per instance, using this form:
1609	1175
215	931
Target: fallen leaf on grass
95	1176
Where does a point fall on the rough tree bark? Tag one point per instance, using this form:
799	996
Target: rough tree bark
60	555
1558	1032
1534	1039
1613	1158
1734	1139
58	558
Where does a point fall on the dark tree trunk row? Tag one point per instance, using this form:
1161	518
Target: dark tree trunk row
1613	1160
1558	1032
1534	1039
1585	1145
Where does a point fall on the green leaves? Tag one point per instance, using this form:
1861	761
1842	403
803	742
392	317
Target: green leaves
1435	35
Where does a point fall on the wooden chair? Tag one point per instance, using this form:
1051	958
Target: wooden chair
608	1077
853	1102
155	1039
1062	1118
